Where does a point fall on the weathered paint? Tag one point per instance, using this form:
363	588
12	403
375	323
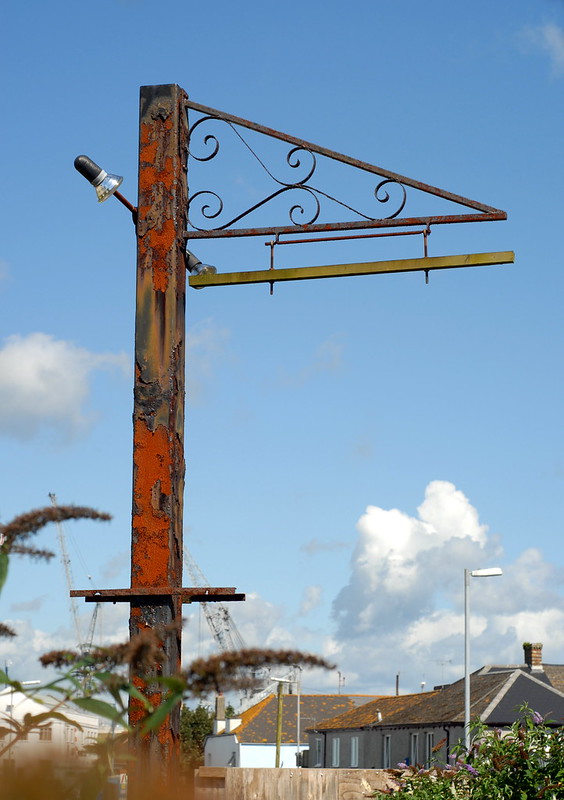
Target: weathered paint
348	270
158	416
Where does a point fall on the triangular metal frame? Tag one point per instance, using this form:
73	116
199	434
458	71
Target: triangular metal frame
479	212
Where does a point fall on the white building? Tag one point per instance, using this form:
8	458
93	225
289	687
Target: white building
56	739
250	741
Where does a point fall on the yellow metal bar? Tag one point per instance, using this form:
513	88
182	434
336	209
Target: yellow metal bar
344	270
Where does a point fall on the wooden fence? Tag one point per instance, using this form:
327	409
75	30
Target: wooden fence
242	783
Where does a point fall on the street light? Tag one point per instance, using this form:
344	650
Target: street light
474	573
103	182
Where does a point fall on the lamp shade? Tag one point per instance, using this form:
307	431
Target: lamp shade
104	182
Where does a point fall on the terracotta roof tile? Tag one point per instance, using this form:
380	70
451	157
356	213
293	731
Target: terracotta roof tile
259	722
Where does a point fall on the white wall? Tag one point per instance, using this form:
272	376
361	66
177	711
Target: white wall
224	750
221	751
264	755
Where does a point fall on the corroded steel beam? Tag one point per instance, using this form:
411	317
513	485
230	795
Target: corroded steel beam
158	415
190	594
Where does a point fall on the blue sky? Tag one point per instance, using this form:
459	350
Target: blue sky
352	445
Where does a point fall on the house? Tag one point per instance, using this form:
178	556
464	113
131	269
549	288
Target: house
57	740
250	740
424	727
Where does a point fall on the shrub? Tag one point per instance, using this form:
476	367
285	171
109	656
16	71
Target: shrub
522	763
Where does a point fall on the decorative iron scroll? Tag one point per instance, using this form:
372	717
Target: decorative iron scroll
210	205
305	197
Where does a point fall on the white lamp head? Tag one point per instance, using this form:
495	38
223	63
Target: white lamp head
491	572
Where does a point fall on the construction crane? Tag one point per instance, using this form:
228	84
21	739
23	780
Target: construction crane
220	621
68	573
84	644
226	635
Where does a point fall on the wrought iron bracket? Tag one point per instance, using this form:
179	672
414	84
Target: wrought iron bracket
208	218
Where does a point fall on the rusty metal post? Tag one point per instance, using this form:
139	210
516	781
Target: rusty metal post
158	416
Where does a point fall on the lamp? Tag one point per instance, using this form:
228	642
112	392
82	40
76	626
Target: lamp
104	182
193	264
474	573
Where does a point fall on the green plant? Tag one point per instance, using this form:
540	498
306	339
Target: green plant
110	689
524	762
195	725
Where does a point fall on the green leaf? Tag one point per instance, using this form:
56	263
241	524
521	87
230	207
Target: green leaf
98	707
133	691
4	677
159	714
173	683
3	568
36	720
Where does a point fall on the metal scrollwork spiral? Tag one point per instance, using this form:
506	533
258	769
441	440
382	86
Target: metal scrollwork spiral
294	162
297	210
384	197
209	139
209	205
204	207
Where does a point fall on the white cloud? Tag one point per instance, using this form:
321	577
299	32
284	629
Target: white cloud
205	344
402	608
328	357
315	546
401	562
45	382
550	39
311	599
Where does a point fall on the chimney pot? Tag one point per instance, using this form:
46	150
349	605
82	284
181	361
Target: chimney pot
533	655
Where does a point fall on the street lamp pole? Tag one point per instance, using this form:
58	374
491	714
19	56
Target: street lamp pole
469	573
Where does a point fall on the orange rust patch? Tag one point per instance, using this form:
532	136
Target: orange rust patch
151	524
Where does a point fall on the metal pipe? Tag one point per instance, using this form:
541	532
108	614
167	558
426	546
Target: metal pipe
467	660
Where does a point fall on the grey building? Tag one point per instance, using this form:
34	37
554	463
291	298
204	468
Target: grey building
423	728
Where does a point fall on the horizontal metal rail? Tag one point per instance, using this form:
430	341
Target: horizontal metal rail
348	270
191	594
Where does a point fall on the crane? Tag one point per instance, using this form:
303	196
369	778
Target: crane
84	645
225	632
220	621
68	573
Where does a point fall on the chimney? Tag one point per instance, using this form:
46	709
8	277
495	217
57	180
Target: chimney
533	655
219	721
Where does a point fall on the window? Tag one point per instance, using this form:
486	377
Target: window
335	751
414	749
318	752
429	744
46	733
387	752
354	751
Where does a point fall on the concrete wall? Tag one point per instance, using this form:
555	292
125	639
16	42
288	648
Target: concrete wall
289	784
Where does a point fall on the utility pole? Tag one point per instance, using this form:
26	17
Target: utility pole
279	709
167	219
158	411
